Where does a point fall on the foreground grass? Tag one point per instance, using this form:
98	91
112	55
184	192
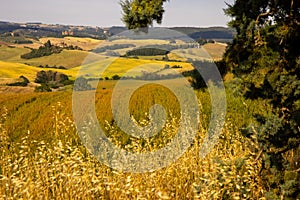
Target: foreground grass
59	167
62	169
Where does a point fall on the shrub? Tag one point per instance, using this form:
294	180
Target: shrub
22	83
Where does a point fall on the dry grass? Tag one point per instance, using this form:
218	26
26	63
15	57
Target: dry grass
16	89
62	169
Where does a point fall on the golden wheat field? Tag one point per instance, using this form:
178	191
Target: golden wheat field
42	157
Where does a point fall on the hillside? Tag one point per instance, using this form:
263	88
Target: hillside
216	33
14	70
38	30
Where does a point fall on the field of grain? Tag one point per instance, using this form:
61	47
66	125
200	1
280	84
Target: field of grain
119	66
43	157
15	70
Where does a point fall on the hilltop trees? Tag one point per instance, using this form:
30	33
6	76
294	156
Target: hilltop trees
140	14
265	58
45	50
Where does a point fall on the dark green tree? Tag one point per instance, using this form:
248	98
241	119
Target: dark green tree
140	14
265	57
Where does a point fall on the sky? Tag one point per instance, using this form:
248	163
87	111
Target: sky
106	13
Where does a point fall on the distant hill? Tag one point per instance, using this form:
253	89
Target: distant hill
38	30
215	33
50	30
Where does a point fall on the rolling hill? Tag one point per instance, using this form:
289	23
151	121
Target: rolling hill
14	70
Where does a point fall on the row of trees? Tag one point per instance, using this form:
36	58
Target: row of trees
53	67
112	47
147	52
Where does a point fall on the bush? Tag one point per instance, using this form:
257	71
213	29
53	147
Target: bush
147	52
52	79
22	83
115	77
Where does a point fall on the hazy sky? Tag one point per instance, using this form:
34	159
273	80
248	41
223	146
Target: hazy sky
104	13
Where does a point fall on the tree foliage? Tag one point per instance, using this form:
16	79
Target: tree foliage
23	82
46	50
264	55
147	52
51	79
140	14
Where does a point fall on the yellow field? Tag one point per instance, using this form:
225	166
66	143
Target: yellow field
14	70
119	66
67	58
114	66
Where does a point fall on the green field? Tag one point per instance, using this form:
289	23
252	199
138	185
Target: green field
12	54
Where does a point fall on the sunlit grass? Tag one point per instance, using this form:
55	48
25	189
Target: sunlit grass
58	166
15	70
63	169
